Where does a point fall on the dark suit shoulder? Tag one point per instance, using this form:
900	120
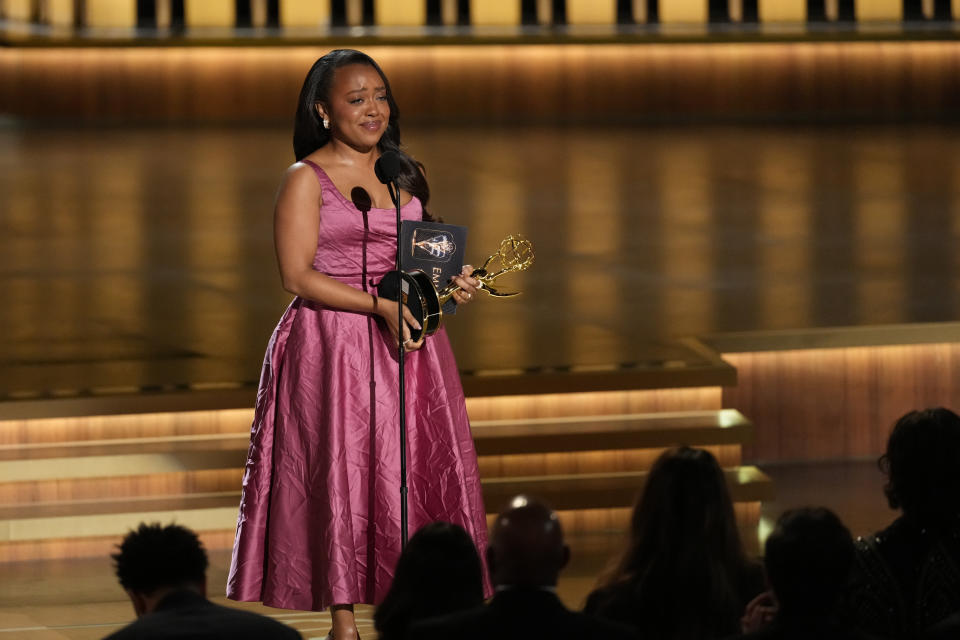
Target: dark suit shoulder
474	621
520	616
204	621
814	632
592	627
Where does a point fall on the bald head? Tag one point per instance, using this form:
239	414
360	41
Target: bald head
526	545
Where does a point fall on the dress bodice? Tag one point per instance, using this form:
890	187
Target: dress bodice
356	246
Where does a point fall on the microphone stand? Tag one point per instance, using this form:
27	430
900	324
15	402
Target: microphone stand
395	196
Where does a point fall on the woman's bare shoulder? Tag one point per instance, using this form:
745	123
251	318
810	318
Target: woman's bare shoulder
300	177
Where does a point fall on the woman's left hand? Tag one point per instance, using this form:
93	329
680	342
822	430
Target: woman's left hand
468	286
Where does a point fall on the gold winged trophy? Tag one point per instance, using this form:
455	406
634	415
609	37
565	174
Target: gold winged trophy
425	301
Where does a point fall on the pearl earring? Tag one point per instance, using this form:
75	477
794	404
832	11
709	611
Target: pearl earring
326	123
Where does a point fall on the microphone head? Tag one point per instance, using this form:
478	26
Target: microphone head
388	167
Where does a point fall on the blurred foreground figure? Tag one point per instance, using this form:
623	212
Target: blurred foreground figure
439	573
684	574
525	557
164	571
907	577
808	559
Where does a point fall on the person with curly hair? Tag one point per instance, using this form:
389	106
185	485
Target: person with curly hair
907	577
163	569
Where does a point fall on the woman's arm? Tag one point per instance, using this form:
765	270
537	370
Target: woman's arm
296	226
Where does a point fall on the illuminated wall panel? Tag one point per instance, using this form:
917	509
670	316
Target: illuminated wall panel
687	259
111	13
60	12
210	13
18	10
401	12
505	12
881	212
782	10
304	13
594	236
683	11
591	11
240	83
816	404
786	222
880	10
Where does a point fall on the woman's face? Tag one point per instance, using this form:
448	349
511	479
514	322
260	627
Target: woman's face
358	110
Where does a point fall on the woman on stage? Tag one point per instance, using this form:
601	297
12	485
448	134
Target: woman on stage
319	522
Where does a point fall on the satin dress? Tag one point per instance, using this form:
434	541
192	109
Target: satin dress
319	520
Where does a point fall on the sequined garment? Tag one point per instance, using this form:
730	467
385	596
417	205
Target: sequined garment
906	579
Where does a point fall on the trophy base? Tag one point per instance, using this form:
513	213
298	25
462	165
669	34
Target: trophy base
419	295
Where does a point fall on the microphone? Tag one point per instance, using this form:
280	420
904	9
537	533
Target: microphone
388	167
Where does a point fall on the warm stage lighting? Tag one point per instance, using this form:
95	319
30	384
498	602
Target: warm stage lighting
494	82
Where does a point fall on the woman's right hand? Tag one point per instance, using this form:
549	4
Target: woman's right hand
387	309
760	613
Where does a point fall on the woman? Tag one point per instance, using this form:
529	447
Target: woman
684	574
907	577
438	573
319	515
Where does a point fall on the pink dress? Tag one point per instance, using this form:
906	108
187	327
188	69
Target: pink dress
319	519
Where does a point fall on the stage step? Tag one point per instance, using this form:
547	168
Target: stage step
81	518
212	511
601	433
609	490
171	453
73	486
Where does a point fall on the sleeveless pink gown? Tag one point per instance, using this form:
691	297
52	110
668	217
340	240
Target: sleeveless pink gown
319	520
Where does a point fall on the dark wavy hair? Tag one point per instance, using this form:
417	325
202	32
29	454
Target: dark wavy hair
309	133
157	556
922	465
438	573
684	564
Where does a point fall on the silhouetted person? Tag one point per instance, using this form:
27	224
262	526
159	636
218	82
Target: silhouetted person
525	557
163	570
684	574
808	560
907	577
438	573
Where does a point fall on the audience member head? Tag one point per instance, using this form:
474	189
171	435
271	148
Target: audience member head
808	559
526	545
155	560
922	465
438	572
684	563
684	507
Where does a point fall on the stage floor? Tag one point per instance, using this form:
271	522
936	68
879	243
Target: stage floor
80	599
141	258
